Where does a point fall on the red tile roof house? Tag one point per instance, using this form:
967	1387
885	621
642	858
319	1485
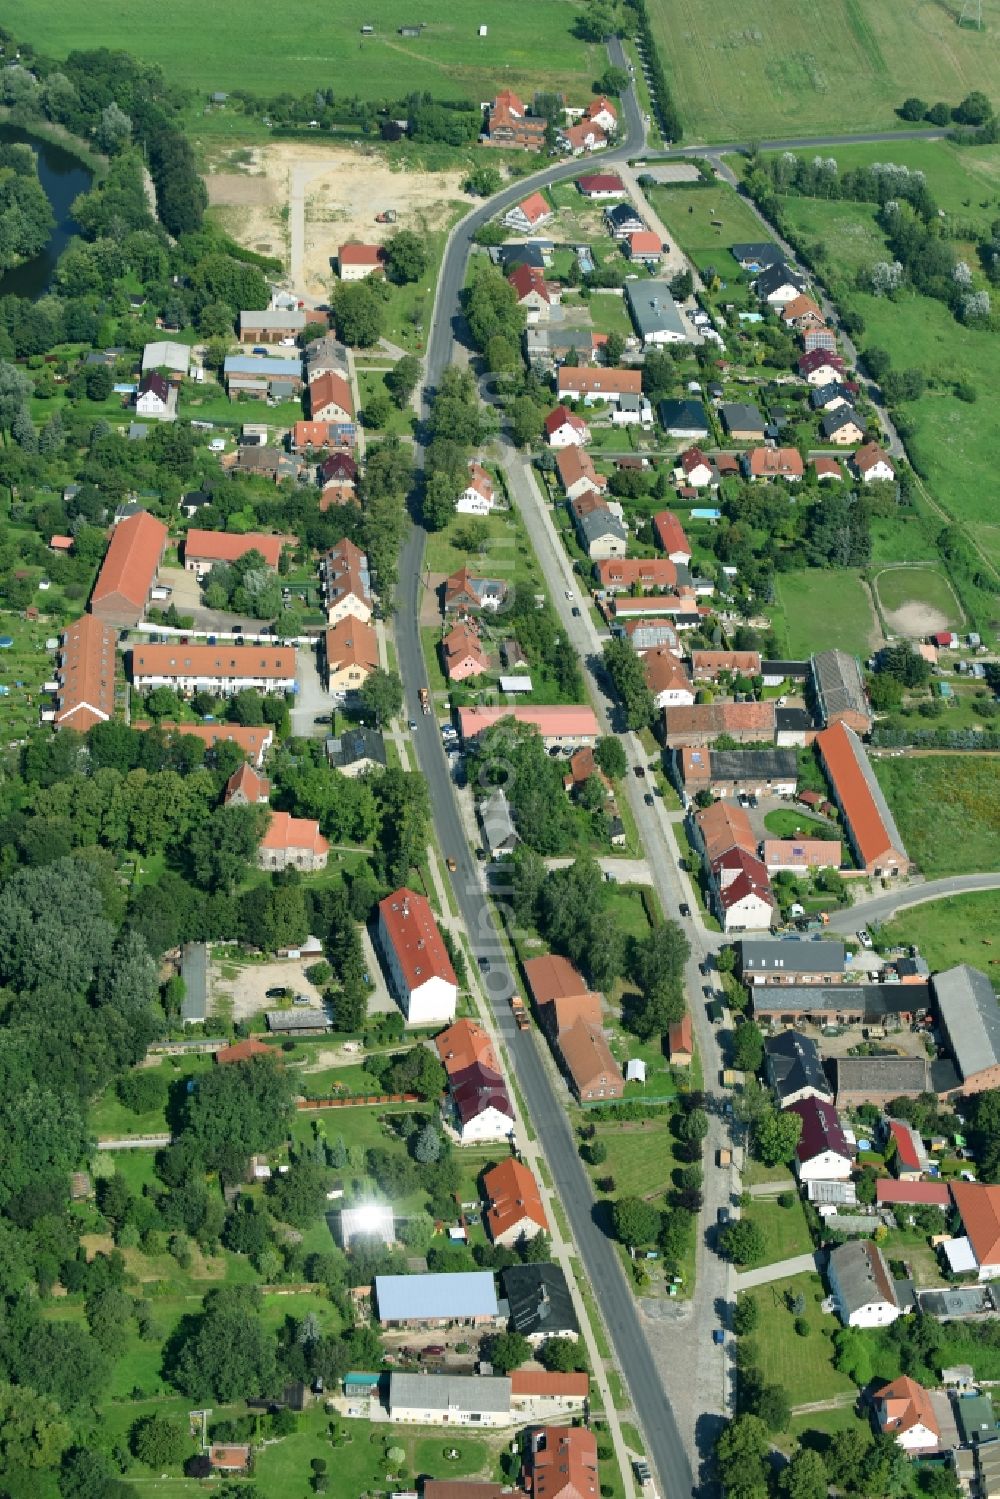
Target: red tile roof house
309	435
666	679
909	1159
536	295
577	473
596	385
528	1386
562	1463
601	185
514	1201
708	666
826	469
695	467
254	742
871	828
356	261
509	124
479	494
229	1459
223	669
822	1153
871	464
622	574
463	654
681	1041
563	429
85	672
586	136
330	399
702	724
903	1409
602	112
480	1107
644	247
670	535
293	843
245	788
530	214
775	463
892	1193
243	1051
741	892
979	1209
128	571
564	726
203	549
819	367
419	968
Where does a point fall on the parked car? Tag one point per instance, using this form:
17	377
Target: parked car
648	799
276	994
722	1217
685	909
640	770
865	939
575	612
718	1336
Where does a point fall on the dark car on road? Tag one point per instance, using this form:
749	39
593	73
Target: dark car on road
722	1217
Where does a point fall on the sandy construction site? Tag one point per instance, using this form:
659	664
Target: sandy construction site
300	202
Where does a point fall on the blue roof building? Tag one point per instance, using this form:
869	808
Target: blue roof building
459	1296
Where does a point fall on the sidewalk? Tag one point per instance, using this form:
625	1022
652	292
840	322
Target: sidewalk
800	1264
532	1155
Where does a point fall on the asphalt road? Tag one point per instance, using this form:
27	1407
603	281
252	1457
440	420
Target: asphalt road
884	907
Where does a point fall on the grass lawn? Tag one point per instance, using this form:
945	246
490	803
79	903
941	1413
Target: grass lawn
803	1365
776	69
308	45
790	823
848	231
956	930
785	1229
640	1156
506	554
109	1116
400	423
948	810
608	314
819	609
705	221
899	586
756	1173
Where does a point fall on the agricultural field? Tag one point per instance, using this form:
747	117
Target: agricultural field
306	45
948	810
918	601
766	70
956	930
819	609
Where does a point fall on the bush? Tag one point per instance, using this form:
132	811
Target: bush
319	973
802	1326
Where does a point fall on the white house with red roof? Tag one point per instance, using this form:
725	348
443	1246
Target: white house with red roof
356	261
670	534
820	367
904	1410
822	1153
602	112
534	293
909	1160
872	463
530	214
292	843
584	136
564	429
742	892
598	185
417	962
695	467
479	495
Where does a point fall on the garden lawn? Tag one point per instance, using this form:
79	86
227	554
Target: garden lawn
306	45
819	609
27	662
742	72
785	1229
640	1155
786	823
706	221
399	423
804	1366
957	930
948	810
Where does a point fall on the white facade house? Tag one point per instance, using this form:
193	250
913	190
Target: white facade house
223	669
749	912
449	1400
861	1285
632	411
491	1125
479	495
417	962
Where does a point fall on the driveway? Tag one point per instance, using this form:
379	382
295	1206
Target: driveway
311	698
799	1264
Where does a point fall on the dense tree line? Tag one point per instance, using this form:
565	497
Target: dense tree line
25	216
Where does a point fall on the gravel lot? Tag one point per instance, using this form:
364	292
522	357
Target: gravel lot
249	988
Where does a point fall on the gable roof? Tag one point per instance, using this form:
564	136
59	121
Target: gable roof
979	1208
543	1383
741	416
563	1463
551	975
596	382
539	1299
411	928
670	533
600	182
476	1089
663	672
330	389
526	279
243	1051
904	1404
535	208
890	1191
723	827
587	1055
869	455
561	416
862	1274
351	642
153	383
131	560
842	416
776	463
862	799
462	1044
575	463
793	1063
285	831
446	1295
970	1015
909	1147
774	277
354	253
680	1036
86	674
228	546
256	788
821	1130
512	1194
816	359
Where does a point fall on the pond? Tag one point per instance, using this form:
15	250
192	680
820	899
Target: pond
64	177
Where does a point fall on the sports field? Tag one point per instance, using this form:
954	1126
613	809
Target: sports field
304	44
768	68
918	601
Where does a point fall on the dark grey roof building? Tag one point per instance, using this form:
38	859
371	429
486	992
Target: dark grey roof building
794	1069
839	690
683	418
539	1300
779	959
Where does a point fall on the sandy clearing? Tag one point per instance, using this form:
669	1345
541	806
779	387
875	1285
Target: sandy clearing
343	190
917	620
